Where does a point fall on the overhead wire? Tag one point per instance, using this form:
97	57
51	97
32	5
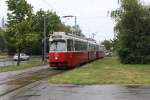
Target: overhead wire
52	7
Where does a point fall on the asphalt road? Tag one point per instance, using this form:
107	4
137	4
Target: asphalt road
46	91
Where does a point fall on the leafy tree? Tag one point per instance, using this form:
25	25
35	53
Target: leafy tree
108	44
53	23
19	24
2	41
133	31
25	30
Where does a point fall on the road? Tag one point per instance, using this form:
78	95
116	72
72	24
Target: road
46	91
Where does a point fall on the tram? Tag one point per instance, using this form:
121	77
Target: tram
69	51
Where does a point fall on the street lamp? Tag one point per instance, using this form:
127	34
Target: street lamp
94	34
75	20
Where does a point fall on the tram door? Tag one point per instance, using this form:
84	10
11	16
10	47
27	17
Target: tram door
70	45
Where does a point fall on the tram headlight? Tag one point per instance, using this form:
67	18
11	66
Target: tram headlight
56	58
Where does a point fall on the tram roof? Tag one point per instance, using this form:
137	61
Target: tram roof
63	35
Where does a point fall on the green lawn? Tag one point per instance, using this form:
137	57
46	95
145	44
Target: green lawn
30	64
3	55
105	71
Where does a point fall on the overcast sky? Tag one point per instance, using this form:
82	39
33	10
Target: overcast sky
92	15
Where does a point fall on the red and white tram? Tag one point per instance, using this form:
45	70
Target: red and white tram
69	51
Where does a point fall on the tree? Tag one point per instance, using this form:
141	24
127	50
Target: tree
18	23
23	25
3	42
108	44
133	31
53	23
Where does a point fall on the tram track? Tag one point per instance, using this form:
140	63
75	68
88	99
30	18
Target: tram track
12	85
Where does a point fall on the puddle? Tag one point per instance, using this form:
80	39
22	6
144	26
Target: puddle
25	96
134	86
69	86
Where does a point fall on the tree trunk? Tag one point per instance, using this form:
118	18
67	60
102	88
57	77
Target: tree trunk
18	53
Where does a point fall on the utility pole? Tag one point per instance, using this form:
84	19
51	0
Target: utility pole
44	40
75	25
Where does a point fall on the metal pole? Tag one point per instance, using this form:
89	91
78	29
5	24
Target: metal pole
75	25
44	38
42	49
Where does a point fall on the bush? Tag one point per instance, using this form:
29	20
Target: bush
132	30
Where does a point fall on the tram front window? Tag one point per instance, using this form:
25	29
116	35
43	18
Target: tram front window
58	46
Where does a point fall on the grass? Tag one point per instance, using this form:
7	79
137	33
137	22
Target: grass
30	64
3	55
106	71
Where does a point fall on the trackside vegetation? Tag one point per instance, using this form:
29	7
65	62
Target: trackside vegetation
132	31
106	71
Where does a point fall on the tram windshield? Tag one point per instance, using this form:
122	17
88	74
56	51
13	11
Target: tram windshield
59	45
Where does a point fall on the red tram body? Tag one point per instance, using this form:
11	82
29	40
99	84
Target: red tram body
70	51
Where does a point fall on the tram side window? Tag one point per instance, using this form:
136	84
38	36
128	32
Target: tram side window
83	46
88	47
70	45
97	48
80	46
92	47
77	46
101	48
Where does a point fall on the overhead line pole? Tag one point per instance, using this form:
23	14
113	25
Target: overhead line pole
44	41
75	24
